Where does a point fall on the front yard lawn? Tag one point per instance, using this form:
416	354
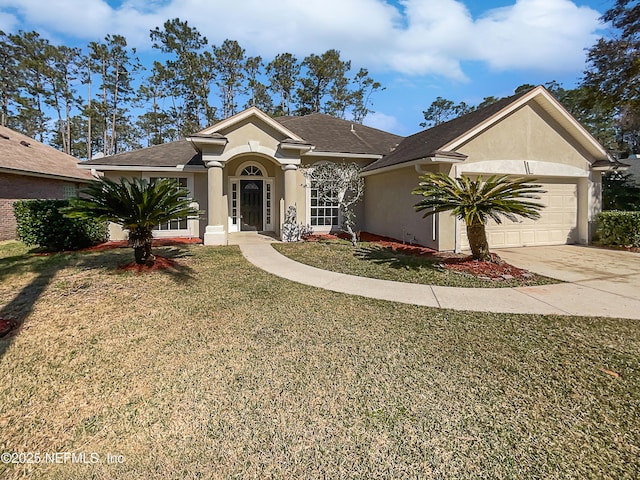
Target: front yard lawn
373	260
217	369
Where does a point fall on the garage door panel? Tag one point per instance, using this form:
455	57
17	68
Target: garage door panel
556	201
557	223
542	236
556	218
526	238
512	237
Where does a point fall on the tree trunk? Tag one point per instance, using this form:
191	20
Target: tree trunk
114	116
89	142
478	242
142	253
139	253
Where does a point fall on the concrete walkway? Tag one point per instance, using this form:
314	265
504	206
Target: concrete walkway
563	299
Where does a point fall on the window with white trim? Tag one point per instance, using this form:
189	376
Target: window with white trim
323	212
251	171
268	195
179	223
234	203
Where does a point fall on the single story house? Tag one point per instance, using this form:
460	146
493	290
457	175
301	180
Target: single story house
247	170
32	170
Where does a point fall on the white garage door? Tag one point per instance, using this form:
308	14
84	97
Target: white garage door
557	224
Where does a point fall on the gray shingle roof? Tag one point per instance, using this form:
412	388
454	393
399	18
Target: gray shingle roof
20	153
326	133
166	155
431	141
330	134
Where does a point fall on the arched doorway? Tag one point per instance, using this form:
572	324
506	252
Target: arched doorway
251	202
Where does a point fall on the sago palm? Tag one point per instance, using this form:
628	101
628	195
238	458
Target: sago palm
476	201
137	205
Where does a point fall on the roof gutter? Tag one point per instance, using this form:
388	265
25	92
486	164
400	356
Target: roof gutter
142	168
315	153
610	165
437	157
52	176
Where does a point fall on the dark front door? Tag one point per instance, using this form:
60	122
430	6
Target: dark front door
251	204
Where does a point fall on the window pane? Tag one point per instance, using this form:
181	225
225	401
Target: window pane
177	224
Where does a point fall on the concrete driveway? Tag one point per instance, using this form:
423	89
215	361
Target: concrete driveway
611	271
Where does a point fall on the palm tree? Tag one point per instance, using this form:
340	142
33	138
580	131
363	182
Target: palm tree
475	201
137	205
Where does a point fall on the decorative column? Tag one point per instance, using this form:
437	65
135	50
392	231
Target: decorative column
216	232
583	210
290	186
288	223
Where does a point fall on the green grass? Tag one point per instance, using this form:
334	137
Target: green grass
375	261
219	370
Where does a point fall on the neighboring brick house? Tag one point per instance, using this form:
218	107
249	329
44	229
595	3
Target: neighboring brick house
31	170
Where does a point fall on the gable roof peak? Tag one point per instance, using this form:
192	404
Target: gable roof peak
450	135
242	116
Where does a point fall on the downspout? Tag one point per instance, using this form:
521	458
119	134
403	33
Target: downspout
456	225
419	169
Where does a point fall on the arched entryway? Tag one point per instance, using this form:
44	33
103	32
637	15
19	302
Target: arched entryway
251	198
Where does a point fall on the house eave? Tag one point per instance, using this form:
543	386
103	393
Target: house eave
436	158
27	173
302	148
610	168
199	141
390	168
144	168
315	153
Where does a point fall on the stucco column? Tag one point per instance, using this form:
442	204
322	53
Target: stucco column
290	186
583	210
216	233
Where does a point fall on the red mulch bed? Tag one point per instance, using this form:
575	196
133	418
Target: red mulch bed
494	270
157	242
160	263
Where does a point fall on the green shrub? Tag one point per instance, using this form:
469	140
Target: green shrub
40	223
619	228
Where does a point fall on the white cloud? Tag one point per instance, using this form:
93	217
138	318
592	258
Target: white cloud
8	22
422	37
382	121
540	34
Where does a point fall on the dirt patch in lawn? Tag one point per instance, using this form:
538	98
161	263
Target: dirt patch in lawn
496	270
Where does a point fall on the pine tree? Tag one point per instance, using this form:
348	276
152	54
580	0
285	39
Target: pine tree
229	65
323	72
188	74
283	72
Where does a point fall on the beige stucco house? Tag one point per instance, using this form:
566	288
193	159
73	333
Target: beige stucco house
246	171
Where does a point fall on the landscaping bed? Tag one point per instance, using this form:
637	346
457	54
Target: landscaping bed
389	259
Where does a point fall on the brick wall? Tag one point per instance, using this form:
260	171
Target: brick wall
22	187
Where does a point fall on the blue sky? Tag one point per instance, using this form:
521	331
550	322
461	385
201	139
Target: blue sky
463	50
